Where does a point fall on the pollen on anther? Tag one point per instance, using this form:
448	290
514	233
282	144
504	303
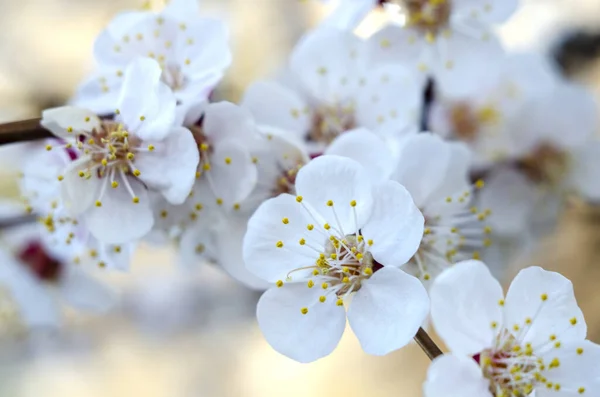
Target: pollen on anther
48	147
227	160
544	297
302	241
299	199
219	201
279	244
310	227
310	284
136	172
340	302
573	321
142	118
60	177
279	283
322	298
579	351
114	184
353	203
98	203
324	285
304	310
330	203
135	200
150	147
501	302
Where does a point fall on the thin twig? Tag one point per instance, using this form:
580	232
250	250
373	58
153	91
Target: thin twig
6	223
427	344
22	131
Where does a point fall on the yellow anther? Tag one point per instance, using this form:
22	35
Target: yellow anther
329	203
87	119
454	230
130	156
98	203
552	337
304	310
104	162
310	227
448	199
69	129
151	147
333	256
60	177
544	297
340	302
557	345
359	256
310	284
204	147
142	118
135	200
279	283
322	298
346	280
528	321
219	201
516	327
368	271
302	241
48	147
324	285
315	272
136	173
581	390
206	167
117	249
236	206
426	277
573	321
487	229
326	226
370	242
501	302
427	231
279	244
353	203
494	325
579	351
299	199
227	160
479	184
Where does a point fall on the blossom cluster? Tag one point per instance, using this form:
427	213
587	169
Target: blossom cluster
366	182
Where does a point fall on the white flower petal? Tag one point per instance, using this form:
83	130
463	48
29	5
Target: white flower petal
79	193
36	305
511	199
394	44
231	181
146	105
367	149
226	121
579	366
100	92
455	376
119	220
302	337
422	166
229	244
281	219
465	307
171	166
547	300
388	310
59	120
107	48
395	226
84	292
348	14
323	58
275	105
342	181
498	11
197	245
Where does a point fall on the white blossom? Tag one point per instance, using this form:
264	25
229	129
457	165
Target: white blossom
120	160
193	53
434	36
530	343
339	236
332	87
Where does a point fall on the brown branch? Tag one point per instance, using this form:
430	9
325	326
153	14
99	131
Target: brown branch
22	131
17	221
427	344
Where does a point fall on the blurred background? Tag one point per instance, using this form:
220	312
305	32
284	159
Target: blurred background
187	337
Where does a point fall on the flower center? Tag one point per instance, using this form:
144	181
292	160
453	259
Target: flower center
286	183
454	231
37	260
331	121
467	122
513	370
173	76
427	15
545	165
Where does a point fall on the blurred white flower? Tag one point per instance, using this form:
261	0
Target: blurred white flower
193	53
486	104
436	35
531	342
120	160
35	277
340	236
332	86
561	156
